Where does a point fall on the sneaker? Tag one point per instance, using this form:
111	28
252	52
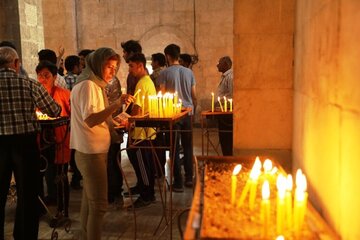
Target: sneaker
177	188
134	191
139	203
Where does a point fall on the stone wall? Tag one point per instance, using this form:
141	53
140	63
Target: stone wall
96	23
327	109
263	73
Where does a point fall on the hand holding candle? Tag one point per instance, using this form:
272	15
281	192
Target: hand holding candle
234	182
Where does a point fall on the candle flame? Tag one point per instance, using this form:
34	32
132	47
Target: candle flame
289	183
265	190
280	237
212	94
298	176
301	183
281	185
236	170
256	170
267	165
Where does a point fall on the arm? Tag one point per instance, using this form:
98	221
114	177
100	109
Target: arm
99	117
193	96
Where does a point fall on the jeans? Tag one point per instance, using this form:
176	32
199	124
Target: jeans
94	197
184	129
20	154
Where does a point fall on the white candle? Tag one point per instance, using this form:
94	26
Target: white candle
236	171
220	104
231	107
143	106
225	104
212	102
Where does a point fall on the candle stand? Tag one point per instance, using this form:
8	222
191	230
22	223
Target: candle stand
212	216
160	125
208	132
48	126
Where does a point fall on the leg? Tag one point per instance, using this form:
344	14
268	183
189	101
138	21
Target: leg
26	171
178	182
93	170
187	142
5	177
76	176
115	179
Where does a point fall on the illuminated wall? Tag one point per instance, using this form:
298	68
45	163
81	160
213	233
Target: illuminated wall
327	109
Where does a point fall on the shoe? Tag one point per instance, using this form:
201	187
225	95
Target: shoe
189	183
177	188
139	203
134	191
57	220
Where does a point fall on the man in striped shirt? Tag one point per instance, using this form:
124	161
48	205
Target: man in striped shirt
19	150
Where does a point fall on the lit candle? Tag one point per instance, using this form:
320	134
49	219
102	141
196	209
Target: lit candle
225	104
300	201
265	209
267	166
143	106
220	104
212	102
236	171
231	107
280	203
288	201
149	105
251	183
137	92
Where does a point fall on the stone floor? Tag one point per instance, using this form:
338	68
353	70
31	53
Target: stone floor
119	223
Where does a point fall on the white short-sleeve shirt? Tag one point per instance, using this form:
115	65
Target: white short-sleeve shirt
87	98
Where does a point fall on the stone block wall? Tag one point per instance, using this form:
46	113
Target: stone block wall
200	27
327	109
263	77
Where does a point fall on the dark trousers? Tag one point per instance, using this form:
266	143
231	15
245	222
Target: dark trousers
144	167
160	141
184	131
225	126
47	160
115	178
20	154
76	176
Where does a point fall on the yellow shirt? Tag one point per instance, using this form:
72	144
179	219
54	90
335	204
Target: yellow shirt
147	88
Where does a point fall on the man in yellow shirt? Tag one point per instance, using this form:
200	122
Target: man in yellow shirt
141	158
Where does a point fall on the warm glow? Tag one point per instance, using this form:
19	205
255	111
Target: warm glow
280	237
236	170
289	183
274	170
301	183
267	165
281	185
265	190
256	170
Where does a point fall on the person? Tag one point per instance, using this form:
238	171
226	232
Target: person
158	63
72	66
140	157
82	55
129	48
177	78
19	149
186	60
50	55
115	178
10	44
91	124
225	89
60	153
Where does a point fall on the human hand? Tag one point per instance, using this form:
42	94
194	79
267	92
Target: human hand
127	98
61	51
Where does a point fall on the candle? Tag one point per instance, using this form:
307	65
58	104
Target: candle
236	171
143	106
265	209
267	166
225	104
300	201
137	92
220	104
280	203
251	184
212	102
231	107
288	201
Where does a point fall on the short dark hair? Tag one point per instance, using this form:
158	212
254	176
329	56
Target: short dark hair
47	64
138	58
7	44
131	46
173	51
47	54
160	58
71	61
85	52
186	58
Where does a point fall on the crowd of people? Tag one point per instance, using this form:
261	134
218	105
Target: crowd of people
91	95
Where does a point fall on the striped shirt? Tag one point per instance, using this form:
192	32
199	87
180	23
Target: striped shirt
19	97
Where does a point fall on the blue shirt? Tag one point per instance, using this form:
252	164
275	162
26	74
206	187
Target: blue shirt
177	78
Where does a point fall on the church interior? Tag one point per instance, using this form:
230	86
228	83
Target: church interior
294	95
